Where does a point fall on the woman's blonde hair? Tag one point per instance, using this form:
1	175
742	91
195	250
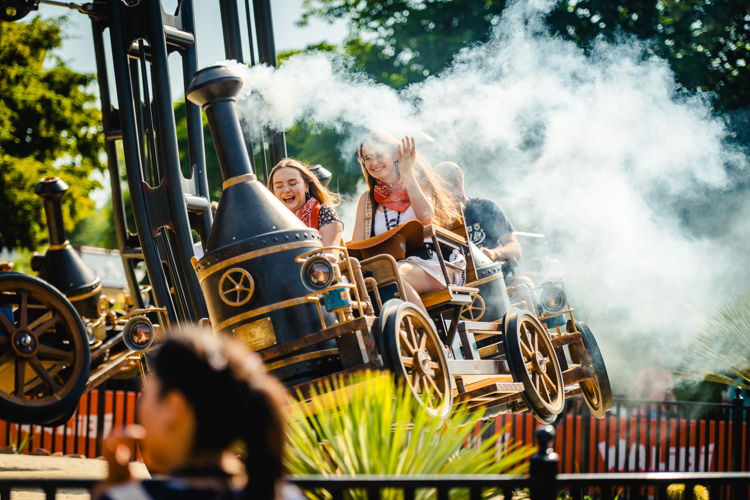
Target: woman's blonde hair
316	189
444	203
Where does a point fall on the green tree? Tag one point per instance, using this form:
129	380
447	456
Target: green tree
403	41
49	125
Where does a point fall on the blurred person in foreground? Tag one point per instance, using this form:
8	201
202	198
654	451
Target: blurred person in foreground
205	394
486	223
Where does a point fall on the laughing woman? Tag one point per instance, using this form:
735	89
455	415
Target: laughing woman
302	193
402	187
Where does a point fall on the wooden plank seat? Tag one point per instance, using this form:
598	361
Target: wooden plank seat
449	295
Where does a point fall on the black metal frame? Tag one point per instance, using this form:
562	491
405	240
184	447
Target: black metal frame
167	206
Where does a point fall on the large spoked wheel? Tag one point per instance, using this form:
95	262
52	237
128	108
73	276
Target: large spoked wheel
44	352
533	362
414	352
596	390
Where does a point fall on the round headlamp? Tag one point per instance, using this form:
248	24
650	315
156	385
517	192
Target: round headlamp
317	273
138	333
553	299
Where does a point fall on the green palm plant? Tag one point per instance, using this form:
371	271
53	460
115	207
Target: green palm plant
368	423
721	353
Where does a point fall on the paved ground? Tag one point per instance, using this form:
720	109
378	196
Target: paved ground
27	466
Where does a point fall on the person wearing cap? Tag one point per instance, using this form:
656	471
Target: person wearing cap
292	182
486	223
401	188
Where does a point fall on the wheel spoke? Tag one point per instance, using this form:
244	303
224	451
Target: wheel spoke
547	380
231	278
407	361
37	329
546	391
422	341
527	353
55	353
20	377
536	342
24	309
39	369
406	341
5	324
437	392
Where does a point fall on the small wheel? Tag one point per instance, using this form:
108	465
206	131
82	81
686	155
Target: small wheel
533	362
414	351
44	351
474	311
596	390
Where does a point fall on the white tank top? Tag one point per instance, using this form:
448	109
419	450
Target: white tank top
394	218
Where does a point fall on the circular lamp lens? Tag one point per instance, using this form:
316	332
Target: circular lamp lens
138	334
553	299
317	273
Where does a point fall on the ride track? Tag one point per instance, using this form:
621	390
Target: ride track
264	277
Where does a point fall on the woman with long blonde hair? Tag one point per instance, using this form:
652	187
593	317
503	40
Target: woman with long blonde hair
402	187
292	182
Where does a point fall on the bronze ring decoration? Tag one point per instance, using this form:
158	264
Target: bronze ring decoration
236	287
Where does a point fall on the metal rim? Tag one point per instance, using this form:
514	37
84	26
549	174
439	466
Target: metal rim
415	352
596	390
534	363
45	357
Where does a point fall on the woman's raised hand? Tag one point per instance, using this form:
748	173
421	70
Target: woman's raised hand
406	153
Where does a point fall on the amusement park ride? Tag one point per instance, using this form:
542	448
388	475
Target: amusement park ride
267	278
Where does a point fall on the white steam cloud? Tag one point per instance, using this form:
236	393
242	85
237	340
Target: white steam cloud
597	150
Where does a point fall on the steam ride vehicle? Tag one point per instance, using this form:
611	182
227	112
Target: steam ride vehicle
310	311
59	335
313	311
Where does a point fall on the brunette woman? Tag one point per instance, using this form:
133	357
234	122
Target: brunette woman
402	187
302	193
205	392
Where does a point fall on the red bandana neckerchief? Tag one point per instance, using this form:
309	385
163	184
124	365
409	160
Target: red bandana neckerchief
308	213
393	196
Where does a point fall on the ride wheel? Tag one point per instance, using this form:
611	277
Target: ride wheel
596	390
533	362
44	352
474	311
414	351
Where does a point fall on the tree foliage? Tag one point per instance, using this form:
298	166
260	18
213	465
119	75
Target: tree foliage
404	41
49	125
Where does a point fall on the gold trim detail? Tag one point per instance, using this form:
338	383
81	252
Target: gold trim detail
257	334
241	287
301	357
484	280
205	273
238	179
263	310
86	295
64	244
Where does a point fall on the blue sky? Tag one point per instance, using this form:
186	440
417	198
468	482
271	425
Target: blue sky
78	51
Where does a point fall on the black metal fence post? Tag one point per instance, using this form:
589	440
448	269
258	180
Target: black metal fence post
544	465
737	413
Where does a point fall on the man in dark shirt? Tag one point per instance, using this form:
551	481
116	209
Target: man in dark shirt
486	223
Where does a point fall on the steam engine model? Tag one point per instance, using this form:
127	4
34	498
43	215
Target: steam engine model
312	311
59	335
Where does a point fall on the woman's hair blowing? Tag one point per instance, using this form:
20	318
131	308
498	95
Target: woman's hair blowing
232	397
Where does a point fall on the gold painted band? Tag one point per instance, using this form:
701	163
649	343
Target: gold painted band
302	357
238	179
205	273
263	310
64	244
86	295
484	280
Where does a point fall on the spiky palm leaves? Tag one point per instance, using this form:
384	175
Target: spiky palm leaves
369	424
722	352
